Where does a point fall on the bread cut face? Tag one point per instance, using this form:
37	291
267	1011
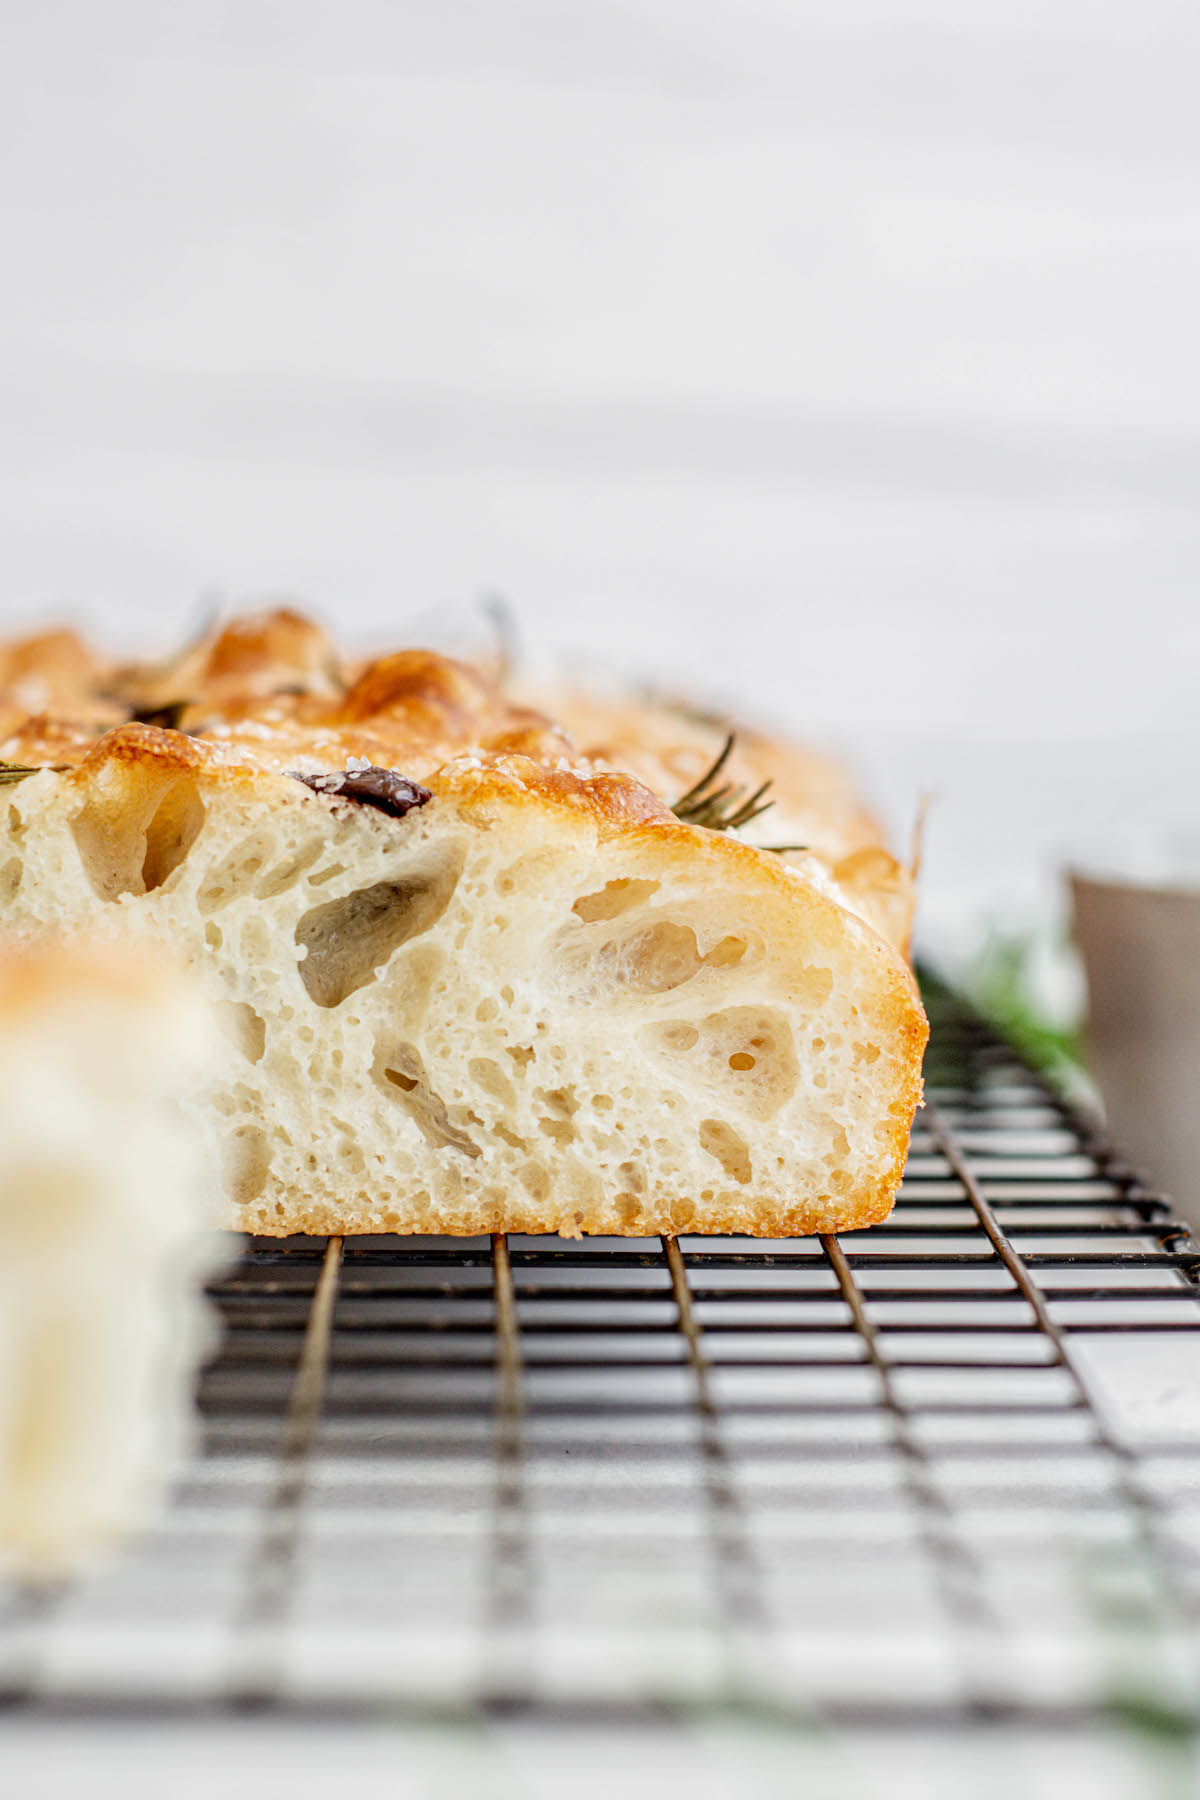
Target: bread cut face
533	1001
108	1207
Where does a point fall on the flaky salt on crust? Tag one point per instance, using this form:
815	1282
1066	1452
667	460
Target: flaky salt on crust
534	1000
107	1208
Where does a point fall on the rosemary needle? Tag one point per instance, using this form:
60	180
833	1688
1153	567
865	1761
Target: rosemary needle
723	808
10	772
728	807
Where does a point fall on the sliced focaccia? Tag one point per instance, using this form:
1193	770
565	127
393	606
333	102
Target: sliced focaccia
108	1206
472	980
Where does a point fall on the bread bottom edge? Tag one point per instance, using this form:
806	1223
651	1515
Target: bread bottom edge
761	1218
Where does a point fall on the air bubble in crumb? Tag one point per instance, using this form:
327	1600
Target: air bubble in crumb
613	899
723	1142
628	1209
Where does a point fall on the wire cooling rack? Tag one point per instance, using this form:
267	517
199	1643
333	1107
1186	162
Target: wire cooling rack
859	1479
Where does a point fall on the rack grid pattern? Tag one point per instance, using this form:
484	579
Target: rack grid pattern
857	1479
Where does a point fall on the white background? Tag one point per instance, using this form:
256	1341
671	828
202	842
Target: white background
839	357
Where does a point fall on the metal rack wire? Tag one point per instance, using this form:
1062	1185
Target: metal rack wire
862	1479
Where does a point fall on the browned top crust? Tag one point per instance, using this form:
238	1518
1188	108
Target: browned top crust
668	743
817	817
271	692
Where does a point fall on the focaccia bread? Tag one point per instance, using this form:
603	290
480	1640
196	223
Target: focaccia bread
472	979
108	1208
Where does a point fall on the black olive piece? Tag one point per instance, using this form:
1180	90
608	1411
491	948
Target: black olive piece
384	789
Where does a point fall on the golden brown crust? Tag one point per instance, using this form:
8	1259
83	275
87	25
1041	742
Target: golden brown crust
668	744
249	658
47	668
665	1216
270	690
53	696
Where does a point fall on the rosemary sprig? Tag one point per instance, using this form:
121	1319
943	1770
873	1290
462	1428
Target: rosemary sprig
729	806
722	808
11	772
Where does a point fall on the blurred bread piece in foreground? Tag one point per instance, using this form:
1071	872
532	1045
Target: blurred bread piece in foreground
107	1202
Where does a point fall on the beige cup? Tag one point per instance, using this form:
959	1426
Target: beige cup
1141	952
